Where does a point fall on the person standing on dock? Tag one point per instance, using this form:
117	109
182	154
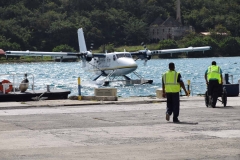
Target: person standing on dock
214	80
171	85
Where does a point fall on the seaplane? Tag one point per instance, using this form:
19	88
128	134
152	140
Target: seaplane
112	65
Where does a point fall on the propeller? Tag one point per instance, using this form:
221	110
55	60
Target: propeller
86	57
146	53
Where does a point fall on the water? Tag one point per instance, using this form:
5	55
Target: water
65	75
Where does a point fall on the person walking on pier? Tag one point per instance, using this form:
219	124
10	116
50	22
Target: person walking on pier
214	80
171	85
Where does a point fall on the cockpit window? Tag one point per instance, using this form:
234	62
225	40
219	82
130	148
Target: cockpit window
128	55
119	55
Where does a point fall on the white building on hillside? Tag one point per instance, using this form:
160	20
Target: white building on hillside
170	28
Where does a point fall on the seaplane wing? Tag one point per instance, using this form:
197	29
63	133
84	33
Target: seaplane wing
146	53
180	50
38	53
83	54
57	54
168	51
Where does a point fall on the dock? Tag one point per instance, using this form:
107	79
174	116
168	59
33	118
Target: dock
130	128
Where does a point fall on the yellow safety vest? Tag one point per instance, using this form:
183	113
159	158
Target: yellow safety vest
214	73
170	81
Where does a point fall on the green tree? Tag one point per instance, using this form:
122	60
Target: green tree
44	24
5	44
230	46
107	48
135	31
167	44
63	48
219	32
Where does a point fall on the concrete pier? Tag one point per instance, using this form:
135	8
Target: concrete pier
130	128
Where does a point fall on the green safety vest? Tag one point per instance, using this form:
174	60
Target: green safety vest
170	81
214	73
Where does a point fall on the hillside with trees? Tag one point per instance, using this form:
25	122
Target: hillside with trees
51	25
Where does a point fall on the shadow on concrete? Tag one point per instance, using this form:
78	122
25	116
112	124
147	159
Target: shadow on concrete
227	107
188	123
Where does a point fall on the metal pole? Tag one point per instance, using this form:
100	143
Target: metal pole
188	87
79	89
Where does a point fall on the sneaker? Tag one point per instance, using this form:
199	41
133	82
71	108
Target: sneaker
176	121
167	116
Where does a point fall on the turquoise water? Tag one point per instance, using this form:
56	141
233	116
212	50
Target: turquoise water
65	75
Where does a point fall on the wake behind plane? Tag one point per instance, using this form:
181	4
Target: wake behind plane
112	65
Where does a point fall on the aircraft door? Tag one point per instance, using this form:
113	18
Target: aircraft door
104	62
108	61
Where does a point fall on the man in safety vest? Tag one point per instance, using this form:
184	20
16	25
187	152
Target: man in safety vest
171	85
213	77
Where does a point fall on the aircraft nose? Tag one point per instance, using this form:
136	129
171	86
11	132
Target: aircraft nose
128	63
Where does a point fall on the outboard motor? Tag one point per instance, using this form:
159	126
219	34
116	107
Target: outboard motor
24	84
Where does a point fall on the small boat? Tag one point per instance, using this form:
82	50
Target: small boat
12	90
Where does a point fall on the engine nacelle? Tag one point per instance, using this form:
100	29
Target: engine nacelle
148	54
149	57
88	59
89	56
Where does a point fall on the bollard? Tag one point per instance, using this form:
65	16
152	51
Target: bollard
48	88
239	85
4	88
79	89
188	87
159	93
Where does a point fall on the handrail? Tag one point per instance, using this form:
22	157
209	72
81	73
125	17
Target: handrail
15	77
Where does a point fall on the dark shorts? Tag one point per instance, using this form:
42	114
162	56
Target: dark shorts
214	87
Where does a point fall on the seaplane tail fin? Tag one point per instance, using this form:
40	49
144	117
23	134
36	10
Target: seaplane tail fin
81	41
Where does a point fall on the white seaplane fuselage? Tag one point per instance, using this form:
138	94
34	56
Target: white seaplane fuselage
115	63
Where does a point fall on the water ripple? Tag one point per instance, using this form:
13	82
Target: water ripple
64	75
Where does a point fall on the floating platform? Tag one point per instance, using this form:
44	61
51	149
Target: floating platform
34	95
130	82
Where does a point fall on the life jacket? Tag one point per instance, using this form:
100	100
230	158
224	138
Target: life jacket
214	73
170	81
